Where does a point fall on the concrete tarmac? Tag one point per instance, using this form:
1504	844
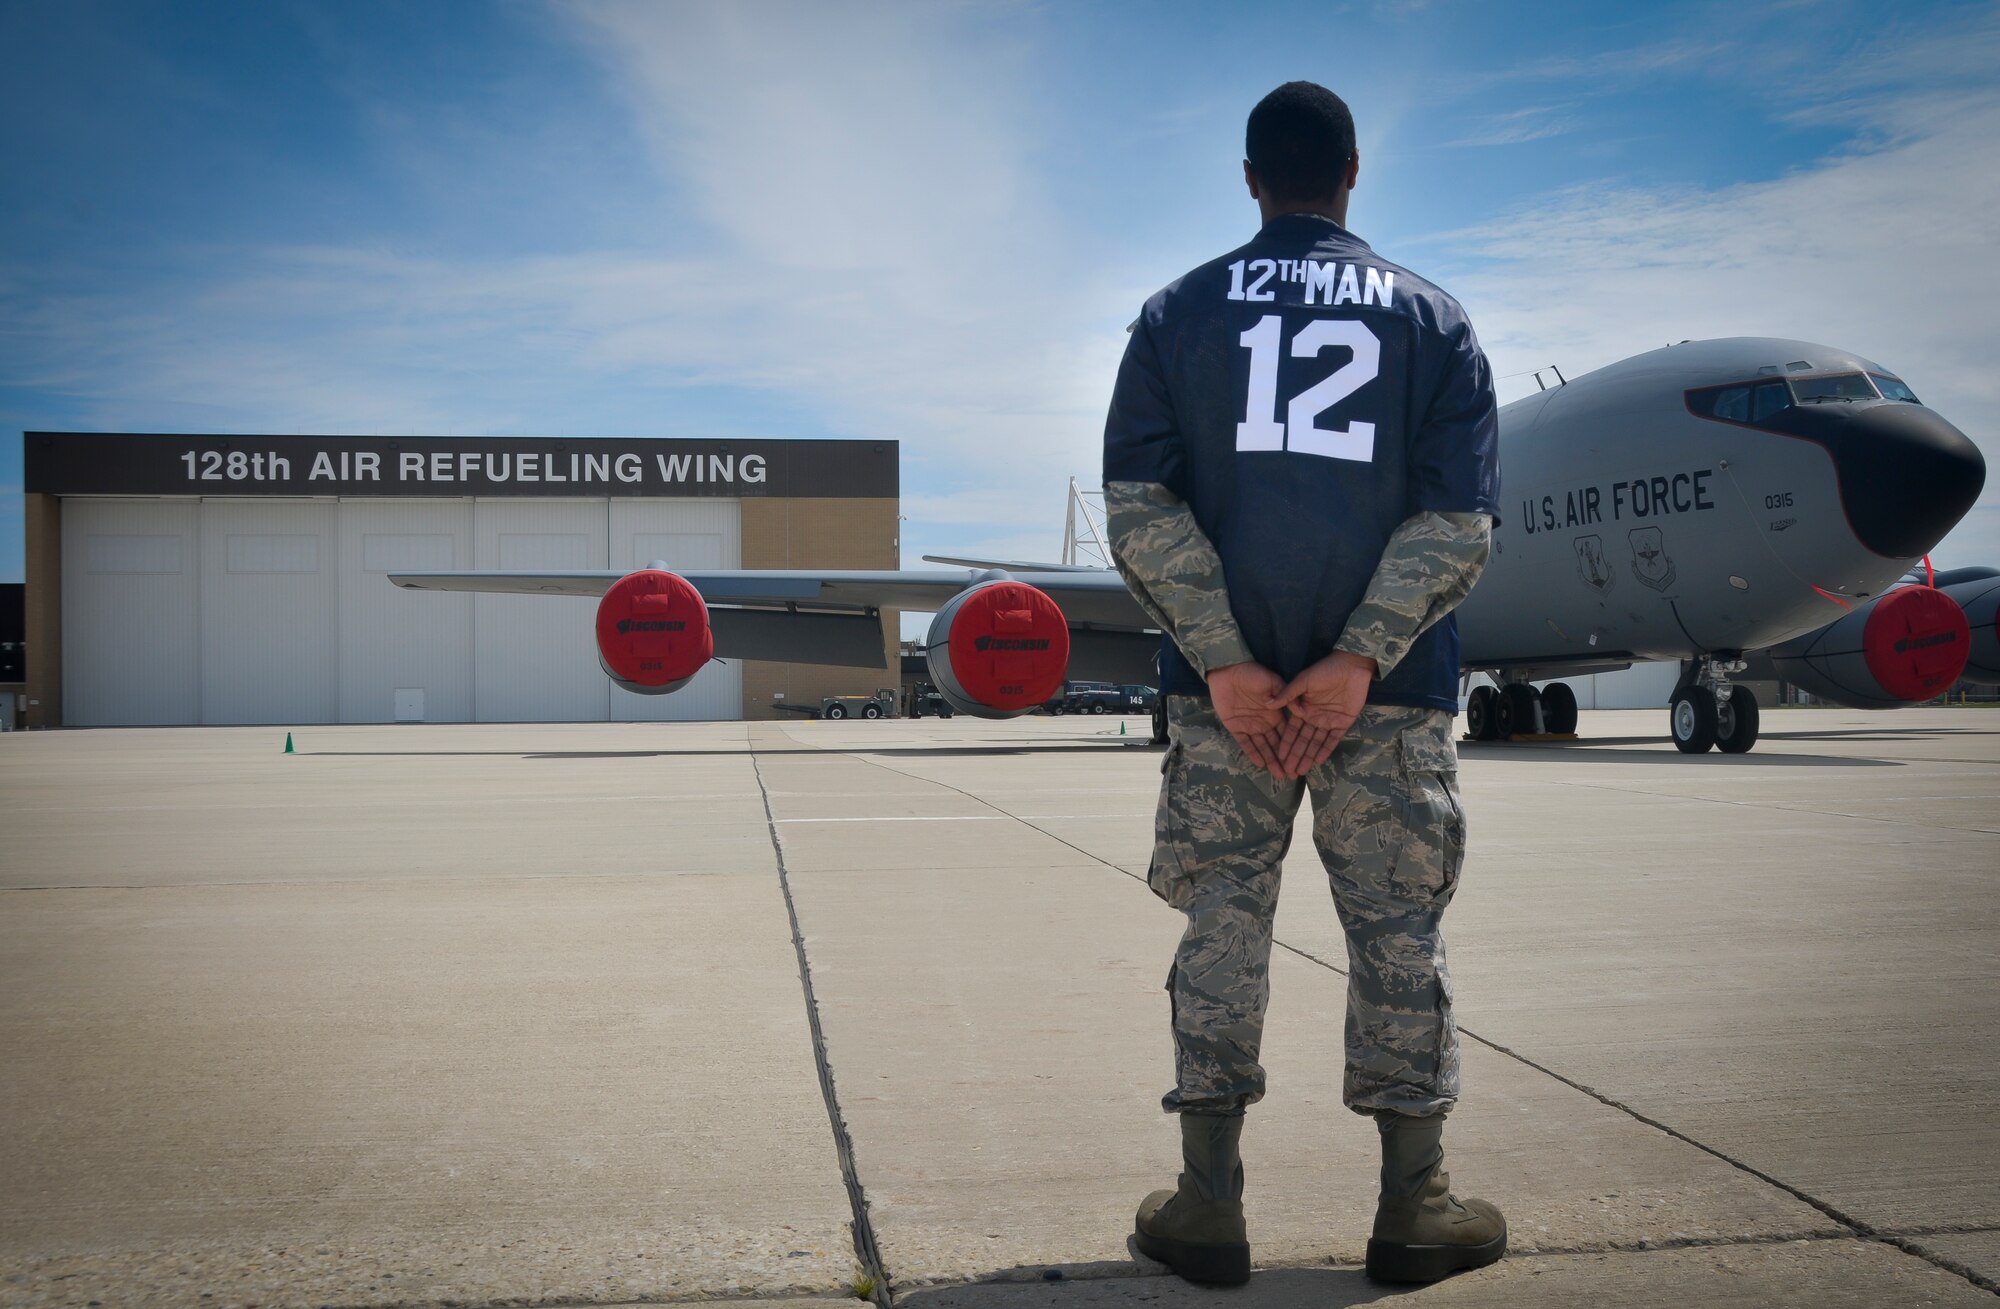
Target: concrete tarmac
602	1014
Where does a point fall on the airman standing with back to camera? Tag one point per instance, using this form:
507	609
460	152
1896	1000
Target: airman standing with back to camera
1301	475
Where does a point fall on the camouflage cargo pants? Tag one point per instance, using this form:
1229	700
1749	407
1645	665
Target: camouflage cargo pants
1391	832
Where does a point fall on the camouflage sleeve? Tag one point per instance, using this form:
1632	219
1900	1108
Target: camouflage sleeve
1174	572
1429	565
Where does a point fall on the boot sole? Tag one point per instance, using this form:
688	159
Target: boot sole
1392	1261
1211	1265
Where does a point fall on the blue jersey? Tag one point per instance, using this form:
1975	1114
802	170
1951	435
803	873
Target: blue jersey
1304	396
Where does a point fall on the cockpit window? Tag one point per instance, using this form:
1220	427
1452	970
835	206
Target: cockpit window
1732	404
1767	398
1833	386
1746	402
1894	388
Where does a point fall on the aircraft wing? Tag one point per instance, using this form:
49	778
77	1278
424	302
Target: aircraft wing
1094	598
1012	565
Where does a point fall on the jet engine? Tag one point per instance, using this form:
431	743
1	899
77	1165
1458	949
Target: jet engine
652	632
998	649
1903	647
1980	599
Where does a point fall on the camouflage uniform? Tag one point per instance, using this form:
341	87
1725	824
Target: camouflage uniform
1386	820
1389	827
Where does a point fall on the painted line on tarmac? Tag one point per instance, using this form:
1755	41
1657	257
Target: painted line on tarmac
1927	823
960	818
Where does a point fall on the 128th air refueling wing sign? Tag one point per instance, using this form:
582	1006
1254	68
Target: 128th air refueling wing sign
77	463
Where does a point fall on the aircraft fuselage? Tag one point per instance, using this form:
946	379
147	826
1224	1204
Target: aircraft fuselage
1650	512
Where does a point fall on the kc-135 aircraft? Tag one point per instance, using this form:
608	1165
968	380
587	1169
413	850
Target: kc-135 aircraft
1712	502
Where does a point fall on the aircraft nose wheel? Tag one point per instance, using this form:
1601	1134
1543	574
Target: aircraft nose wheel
1694	719
1707	712
1736	721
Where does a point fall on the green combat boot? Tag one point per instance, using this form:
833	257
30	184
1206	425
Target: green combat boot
1422	1231
1198	1230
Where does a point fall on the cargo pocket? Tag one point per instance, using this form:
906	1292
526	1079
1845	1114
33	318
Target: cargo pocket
1167	873
1433	846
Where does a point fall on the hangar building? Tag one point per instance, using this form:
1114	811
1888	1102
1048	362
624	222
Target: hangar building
242	579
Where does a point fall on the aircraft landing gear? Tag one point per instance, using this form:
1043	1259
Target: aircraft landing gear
1518	711
1481	712
1494	713
1692	712
1707	712
1559	708
1736	721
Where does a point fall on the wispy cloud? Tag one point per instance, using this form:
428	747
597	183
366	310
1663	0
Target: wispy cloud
853	219
1675	54
850	212
886	241
1519	126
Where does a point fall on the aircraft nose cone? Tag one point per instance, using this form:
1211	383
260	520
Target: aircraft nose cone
1906	475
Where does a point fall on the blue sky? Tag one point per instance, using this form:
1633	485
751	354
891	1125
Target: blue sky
931	222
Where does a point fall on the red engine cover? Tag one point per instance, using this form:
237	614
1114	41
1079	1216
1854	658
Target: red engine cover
1009	646
1916	642
652	629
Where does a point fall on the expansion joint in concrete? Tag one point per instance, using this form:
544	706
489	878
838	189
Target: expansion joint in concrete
867	1251
1857	1226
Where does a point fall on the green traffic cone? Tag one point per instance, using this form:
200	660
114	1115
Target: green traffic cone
1121	727
288	744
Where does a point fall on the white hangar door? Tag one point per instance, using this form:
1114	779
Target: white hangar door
269	611
535	656
395	642
682	534
130	575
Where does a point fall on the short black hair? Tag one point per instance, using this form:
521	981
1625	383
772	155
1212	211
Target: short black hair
1299	140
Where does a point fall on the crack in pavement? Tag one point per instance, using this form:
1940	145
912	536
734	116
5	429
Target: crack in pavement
867	1250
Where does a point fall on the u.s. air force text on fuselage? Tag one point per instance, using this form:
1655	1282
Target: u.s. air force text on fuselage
1641	497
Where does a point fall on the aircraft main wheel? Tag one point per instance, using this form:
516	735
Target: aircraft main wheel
1479	714
1559	708
1692	713
1515	714
1736	722
871	711
836	711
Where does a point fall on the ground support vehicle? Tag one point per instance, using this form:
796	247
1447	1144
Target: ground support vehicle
880	705
1084	698
921	699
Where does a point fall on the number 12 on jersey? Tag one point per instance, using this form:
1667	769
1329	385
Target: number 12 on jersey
1260	428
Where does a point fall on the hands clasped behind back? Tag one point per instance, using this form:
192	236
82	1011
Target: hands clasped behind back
1289	729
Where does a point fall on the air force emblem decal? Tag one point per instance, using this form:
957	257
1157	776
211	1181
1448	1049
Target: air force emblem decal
1592	566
